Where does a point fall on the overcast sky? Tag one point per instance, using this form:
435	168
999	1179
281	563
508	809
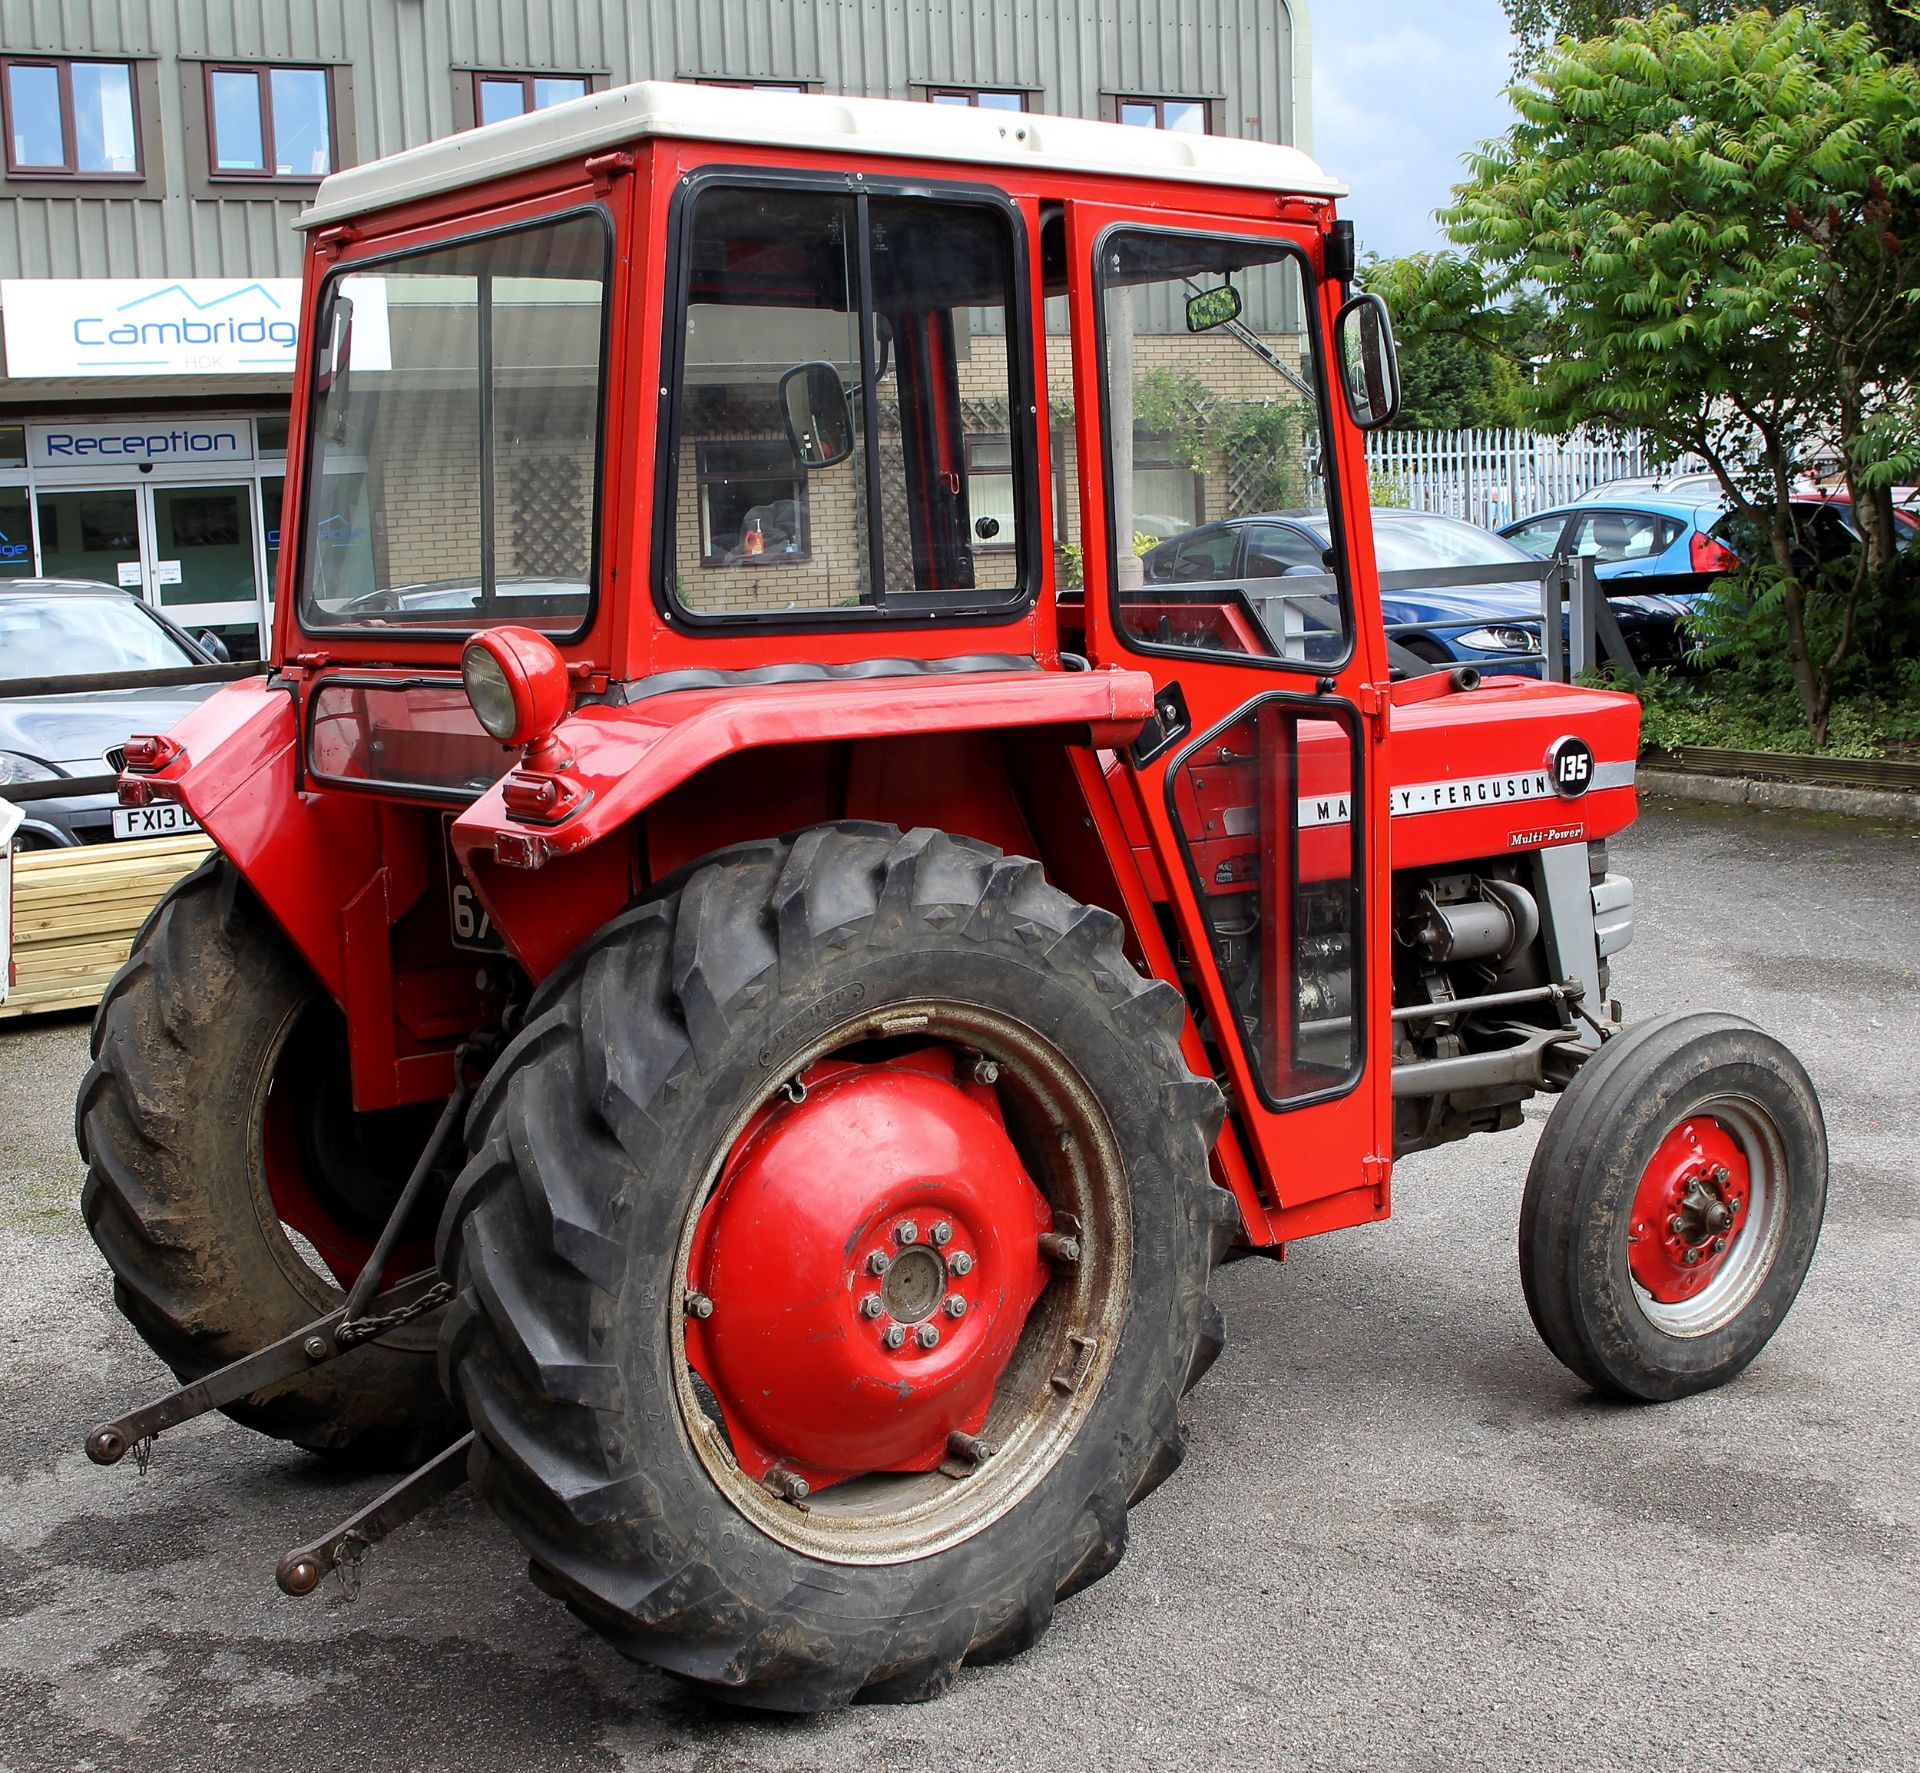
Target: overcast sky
1401	90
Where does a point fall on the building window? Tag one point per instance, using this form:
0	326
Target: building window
751	85
753	503
269	122
1168	495
497	96
993	491
1189	116
70	119
980	97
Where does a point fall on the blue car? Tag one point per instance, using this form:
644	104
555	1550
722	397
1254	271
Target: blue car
1495	628
1681	530
1631	535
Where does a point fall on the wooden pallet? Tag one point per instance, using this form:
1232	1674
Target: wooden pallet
76	912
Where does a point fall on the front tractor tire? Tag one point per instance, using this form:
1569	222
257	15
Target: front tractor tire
1673	1206
214	1121
831	1264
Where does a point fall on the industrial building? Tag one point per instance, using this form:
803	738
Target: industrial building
158	152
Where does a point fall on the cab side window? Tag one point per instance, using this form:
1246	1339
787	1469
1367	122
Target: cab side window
843	370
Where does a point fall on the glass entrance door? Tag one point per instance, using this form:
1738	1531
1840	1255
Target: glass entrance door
92	534
188	550
202	570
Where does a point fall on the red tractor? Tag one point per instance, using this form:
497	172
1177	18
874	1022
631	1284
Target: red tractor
755	966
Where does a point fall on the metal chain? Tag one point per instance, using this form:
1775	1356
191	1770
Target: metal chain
365	1329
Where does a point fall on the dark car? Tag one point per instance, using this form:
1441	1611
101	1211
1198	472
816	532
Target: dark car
59	628
1493	627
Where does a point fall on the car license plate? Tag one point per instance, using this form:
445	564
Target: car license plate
164	818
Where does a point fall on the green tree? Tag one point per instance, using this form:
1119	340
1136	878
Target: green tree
1537	23
1447	382
1714	227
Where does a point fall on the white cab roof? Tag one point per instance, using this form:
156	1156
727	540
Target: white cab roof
605	120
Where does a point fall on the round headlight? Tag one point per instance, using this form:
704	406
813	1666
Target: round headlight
489	692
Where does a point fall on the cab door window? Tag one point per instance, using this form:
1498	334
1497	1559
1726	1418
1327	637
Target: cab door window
900	314
1208	353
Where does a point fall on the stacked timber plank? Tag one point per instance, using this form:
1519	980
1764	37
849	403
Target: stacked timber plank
75	914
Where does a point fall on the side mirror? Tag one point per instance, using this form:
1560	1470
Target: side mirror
813	400
1213	307
211	644
1369	366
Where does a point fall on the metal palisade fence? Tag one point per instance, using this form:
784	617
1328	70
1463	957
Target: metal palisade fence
1491	477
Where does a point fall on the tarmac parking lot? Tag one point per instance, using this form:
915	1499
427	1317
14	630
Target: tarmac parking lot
1404	1536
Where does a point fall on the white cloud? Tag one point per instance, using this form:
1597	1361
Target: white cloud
1400	97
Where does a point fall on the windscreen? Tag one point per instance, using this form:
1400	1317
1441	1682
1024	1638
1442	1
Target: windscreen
1415	544
69	636
453	473
924	500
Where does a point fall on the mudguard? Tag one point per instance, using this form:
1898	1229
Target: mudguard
623	758
307	855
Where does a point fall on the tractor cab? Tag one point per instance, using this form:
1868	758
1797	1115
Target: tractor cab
758	957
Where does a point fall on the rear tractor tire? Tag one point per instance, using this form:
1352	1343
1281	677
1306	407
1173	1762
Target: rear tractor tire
1673	1206
832	1262
217	1131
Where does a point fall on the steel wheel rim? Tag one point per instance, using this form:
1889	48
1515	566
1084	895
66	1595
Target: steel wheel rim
1749	1261
890	1517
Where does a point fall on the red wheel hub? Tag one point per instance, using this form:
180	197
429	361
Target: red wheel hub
1689	1210
865	1267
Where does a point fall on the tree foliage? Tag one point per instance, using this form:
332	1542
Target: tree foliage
1447	382
1707	232
1538	23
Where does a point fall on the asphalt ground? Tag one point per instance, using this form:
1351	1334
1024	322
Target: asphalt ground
1403	1537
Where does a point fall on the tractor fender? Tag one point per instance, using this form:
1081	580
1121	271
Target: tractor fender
618	759
237	770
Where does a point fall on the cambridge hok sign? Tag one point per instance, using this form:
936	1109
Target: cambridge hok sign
109	326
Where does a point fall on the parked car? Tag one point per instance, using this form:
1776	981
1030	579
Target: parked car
60	628
1493	627
1686	529
1631	534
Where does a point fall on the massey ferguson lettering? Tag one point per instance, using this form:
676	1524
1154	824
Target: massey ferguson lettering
1445	797
1419	797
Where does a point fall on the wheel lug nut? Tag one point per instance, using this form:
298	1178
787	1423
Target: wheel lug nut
954	1306
699	1305
928	1336
960	1262
1692	1256
893	1336
870	1306
1723	1175
906	1232
1675	1225
942	1232
877	1262
1719	1244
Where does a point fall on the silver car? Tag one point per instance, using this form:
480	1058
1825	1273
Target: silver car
52	629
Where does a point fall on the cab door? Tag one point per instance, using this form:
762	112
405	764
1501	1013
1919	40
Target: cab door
1198	340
